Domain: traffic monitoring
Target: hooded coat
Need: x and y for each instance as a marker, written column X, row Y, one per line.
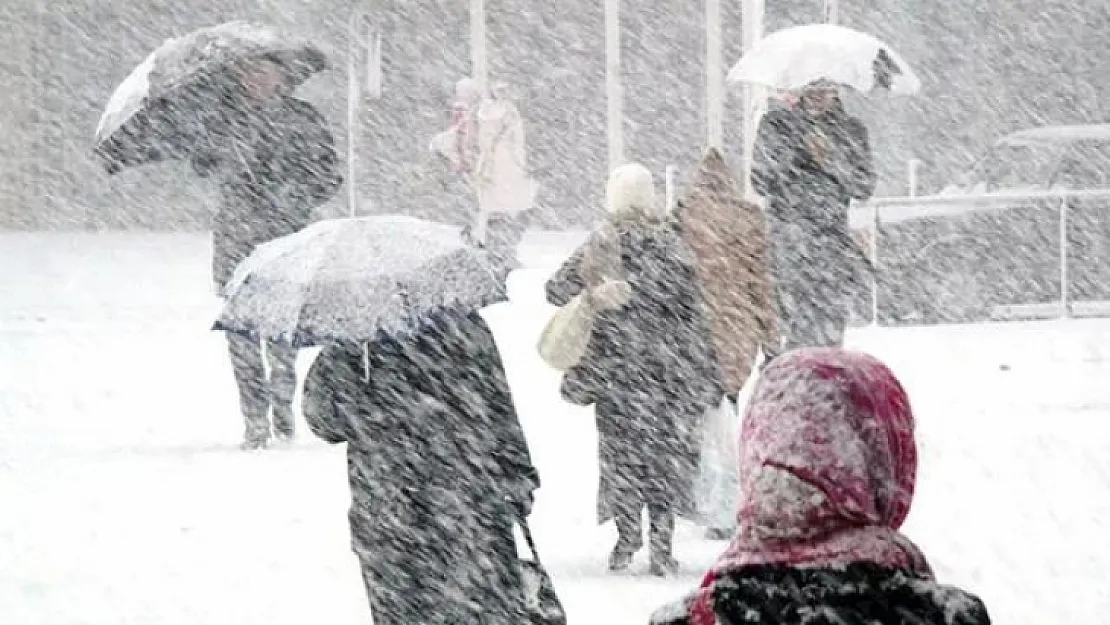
column 809, row 168
column 728, row 238
column 438, row 466
column 828, row 468
column 649, row 368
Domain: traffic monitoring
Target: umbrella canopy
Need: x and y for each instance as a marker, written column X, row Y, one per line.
column 358, row 279
column 159, row 110
column 792, row 58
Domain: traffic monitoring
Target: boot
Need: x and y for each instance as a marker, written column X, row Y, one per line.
column 663, row 565
column 255, row 440
column 661, row 539
column 630, row 532
column 283, row 423
column 621, row 557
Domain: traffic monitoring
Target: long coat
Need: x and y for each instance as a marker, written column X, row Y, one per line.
column 728, row 238
column 815, row 263
column 439, row 469
column 650, row 370
column 274, row 163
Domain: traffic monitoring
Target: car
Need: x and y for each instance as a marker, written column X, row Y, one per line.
column 1039, row 159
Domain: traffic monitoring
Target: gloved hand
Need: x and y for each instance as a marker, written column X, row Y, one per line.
column 522, row 504
column 520, row 498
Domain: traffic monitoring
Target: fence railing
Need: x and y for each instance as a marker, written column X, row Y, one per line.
column 885, row 211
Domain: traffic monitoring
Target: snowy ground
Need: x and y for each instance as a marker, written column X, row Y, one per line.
column 123, row 498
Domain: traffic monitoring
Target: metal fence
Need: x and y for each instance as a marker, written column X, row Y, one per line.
column 1001, row 256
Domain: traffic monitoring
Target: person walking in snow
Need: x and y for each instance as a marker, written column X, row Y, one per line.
column 727, row 235
column 485, row 144
column 828, row 466
column 439, row 470
column 811, row 160
column 274, row 161
column 648, row 368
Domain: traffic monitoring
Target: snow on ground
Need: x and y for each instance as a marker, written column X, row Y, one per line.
column 123, row 497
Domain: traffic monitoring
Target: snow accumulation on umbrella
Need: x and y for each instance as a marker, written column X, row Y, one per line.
column 127, row 99
column 180, row 57
column 794, row 57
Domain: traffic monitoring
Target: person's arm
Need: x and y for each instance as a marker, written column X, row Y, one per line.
column 773, row 154
column 330, row 395
column 315, row 161
column 568, row 281
column 856, row 169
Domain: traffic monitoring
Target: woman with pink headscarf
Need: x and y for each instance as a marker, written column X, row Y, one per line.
column 828, row 463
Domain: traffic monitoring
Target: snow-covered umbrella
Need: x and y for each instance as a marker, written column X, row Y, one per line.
column 359, row 279
column 161, row 108
column 794, row 57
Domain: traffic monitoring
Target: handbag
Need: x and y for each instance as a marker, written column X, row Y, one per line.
column 566, row 336
column 541, row 604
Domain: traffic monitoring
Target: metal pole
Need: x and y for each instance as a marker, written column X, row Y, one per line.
column 912, row 166
column 373, row 62
column 874, row 265
column 669, row 178
column 478, row 61
column 714, row 75
column 832, row 11
column 755, row 98
column 1064, row 312
column 613, row 91
column 352, row 114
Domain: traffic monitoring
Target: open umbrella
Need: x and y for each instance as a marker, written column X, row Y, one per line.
column 792, row 58
column 160, row 110
column 358, row 279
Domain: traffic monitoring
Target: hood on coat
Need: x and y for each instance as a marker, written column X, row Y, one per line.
column 828, row 463
column 631, row 192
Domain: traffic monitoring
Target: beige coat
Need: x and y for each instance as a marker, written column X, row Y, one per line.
column 728, row 237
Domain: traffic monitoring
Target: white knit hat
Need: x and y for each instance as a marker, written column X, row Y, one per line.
column 631, row 190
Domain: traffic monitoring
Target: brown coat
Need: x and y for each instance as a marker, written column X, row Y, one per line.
column 728, row 237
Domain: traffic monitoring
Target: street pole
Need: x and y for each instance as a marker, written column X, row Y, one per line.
column 352, row 113
column 755, row 97
column 714, row 76
column 613, row 92
column 478, row 60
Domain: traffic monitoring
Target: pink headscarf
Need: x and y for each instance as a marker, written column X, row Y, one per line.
column 828, row 464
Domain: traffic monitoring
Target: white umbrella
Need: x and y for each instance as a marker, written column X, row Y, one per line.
column 795, row 57
column 154, row 113
column 358, row 279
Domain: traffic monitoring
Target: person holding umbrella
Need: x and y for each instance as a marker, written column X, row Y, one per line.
column 274, row 161
column 221, row 99
column 811, row 160
column 411, row 380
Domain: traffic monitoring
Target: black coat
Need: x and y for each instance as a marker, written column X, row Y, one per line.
column 650, row 369
column 815, row 263
column 438, row 468
column 274, row 164
column 858, row 594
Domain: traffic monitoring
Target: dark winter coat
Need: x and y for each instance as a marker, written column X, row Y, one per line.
column 814, row 260
column 649, row 368
column 858, row 594
column 274, row 164
column 438, row 467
